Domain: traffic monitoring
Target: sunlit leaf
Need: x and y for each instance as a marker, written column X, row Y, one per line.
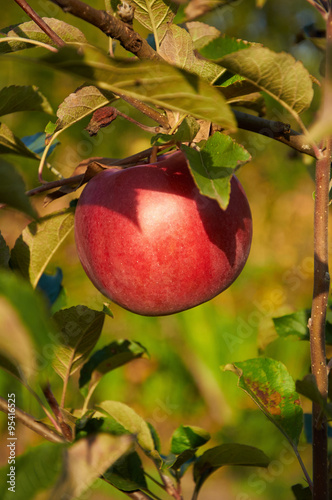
column 278, row 74
column 131, row 421
column 23, row 98
column 197, row 8
column 188, row 437
column 201, row 33
column 35, row 471
column 127, row 474
column 227, row 454
column 84, row 101
column 43, row 240
column 157, row 83
column 10, row 144
column 214, row 164
column 115, row 354
column 177, row 48
column 269, row 384
column 155, row 15
column 80, row 329
column 94, row 421
column 30, row 30
column 86, row 460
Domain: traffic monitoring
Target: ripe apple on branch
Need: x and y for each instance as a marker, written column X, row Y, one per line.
column 153, row 244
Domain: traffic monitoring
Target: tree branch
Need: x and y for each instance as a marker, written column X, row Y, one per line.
column 321, row 292
column 111, row 26
column 30, row 422
column 278, row 131
column 41, row 23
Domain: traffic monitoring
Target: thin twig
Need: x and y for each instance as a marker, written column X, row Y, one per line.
column 111, row 26
column 41, row 23
column 77, row 179
column 30, row 422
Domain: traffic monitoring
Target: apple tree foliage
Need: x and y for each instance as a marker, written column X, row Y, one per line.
column 191, row 80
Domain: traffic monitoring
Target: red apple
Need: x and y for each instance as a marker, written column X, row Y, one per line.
column 150, row 242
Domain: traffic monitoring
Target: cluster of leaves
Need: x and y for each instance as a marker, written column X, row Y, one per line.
column 202, row 76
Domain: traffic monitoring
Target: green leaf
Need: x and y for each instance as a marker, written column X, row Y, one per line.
column 88, row 425
column 293, row 324
column 186, row 456
column 201, row 33
column 115, row 354
column 127, row 474
column 188, row 437
column 131, row 421
column 23, row 98
column 177, row 48
column 269, row 384
column 43, row 240
column 278, row 74
column 35, row 471
column 86, row 460
column 155, row 437
column 31, row 31
column 308, row 388
column 20, row 258
column 23, row 313
column 10, row 144
column 4, row 253
column 297, row 324
column 213, row 166
column 227, row 454
column 81, row 103
column 186, row 132
column 80, row 329
column 301, row 492
column 222, row 46
column 156, row 83
column 155, row 15
column 12, row 190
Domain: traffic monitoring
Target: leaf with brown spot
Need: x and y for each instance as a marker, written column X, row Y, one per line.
column 271, row 387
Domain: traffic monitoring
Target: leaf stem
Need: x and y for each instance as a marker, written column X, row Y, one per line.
column 26, row 40
column 41, row 23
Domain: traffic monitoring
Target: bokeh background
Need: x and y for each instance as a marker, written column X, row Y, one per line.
column 182, row 381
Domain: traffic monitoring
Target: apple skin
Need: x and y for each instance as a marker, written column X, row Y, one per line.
column 150, row 242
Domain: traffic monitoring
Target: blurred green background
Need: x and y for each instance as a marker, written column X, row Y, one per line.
column 182, row 381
